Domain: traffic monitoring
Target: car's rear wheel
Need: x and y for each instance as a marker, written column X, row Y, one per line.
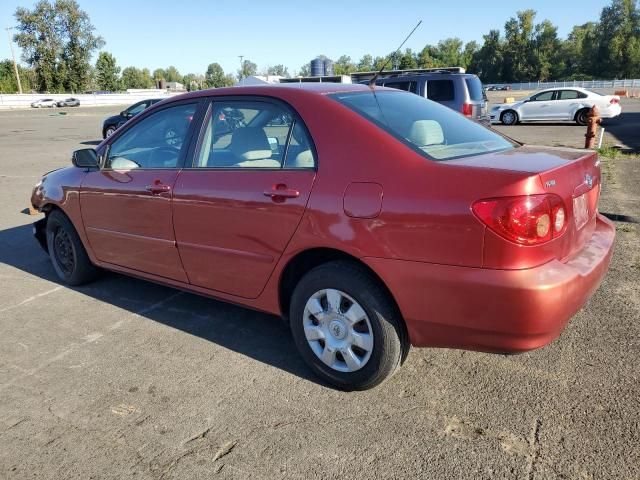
column 509, row 117
column 582, row 117
column 69, row 257
column 346, row 326
column 109, row 131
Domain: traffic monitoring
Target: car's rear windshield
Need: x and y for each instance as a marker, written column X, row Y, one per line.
column 474, row 85
column 433, row 130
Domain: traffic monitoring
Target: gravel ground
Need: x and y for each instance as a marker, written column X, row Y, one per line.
column 123, row 378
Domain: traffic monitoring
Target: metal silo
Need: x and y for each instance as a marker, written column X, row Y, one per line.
column 328, row 67
column 317, row 67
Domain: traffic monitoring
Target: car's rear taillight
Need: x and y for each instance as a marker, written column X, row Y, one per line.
column 614, row 100
column 526, row 219
column 467, row 109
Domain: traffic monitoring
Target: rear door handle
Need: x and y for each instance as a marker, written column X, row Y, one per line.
column 158, row 188
column 281, row 191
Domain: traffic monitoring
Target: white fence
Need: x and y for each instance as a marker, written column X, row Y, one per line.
column 590, row 84
column 86, row 100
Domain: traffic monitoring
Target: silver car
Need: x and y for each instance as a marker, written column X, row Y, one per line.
column 44, row 102
column 451, row 87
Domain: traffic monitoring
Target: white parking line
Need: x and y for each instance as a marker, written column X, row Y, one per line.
column 31, row 299
column 87, row 339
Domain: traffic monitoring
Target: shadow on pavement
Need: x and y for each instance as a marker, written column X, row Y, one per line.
column 626, row 129
column 260, row 336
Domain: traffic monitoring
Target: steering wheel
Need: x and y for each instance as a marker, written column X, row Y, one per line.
column 173, row 156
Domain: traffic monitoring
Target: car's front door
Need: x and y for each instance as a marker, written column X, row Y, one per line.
column 126, row 205
column 239, row 204
column 539, row 107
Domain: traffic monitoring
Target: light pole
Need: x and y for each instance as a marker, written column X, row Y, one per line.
column 13, row 55
column 241, row 66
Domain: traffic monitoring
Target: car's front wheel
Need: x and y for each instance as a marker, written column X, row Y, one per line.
column 109, row 131
column 68, row 256
column 346, row 326
column 509, row 117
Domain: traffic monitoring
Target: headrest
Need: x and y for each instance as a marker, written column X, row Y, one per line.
column 426, row 132
column 250, row 143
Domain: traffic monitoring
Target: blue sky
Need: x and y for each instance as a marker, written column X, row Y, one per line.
column 190, row 34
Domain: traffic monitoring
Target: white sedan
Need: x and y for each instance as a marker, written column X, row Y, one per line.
column 44, row 102
column 556, row 104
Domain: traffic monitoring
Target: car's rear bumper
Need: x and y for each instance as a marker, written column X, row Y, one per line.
column 496, row 310
column 612, row 111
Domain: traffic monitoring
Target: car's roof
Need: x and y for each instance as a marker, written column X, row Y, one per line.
column 323, row 88
column 580, row 89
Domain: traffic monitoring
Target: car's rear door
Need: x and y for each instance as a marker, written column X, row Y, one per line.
column 567, row 103
column 126, row 205
column 240, row 203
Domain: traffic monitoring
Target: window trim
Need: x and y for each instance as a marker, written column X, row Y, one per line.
column 147, row 112
column 208, row 112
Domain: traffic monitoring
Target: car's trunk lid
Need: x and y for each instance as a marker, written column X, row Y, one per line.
column 572, row 174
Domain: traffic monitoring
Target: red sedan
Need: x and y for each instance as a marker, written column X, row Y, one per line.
column 372, row 219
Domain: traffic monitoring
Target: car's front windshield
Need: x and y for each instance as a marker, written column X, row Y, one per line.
column 435, row 131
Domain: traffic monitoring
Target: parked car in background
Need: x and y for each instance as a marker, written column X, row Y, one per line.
column 372, row 219
column 69, row 102
column 461, row 92
column 557, row 104
column 44, row 102
column 111, row 124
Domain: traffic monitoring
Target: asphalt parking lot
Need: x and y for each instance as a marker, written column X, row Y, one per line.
column 123, row 378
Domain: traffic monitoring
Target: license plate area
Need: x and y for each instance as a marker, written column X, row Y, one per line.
column 580, row 210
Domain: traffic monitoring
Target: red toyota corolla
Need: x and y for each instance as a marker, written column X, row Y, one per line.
column 372, row 219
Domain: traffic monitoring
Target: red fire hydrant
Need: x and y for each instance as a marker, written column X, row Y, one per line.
column 593, row 120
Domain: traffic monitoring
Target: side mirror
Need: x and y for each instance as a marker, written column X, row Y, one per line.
column 85, row 158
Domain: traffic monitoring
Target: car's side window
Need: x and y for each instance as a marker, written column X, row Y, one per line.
column 543, row 97
column 440, row 90
column 154, row 142
column 406, row 86
column 299, row 151
column 569, row 95
column 252, row 134
column 136, row 109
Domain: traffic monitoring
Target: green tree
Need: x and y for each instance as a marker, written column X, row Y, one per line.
column 57, row 40
column 579, row 52
column 365, row 64
column 547, row 52
column 407, row 60
column 305, row 70
column 159, row 74
column 247, row 69
column 519, row 57
column 488, row 61
column 8, row 82
column 79, row 43
column 172, row 74
column 107, row 72
column 215, row 77
column 278, row 70
column 344, row 66
column 133, row 77
column 619, row 40
column 469, row 51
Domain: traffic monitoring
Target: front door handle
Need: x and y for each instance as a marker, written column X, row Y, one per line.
column 281, row 191
column 158, row 188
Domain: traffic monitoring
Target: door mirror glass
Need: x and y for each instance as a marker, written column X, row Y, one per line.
column 85, row 158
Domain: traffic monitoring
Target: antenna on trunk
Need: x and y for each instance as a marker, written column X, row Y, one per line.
column 372, row 82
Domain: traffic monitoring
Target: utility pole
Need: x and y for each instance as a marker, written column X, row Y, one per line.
column 241, row 65
column 13, row 55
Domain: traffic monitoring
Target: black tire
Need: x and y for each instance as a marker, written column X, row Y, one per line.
column 110, row 130
column 582, row 117
column 68, row 256
column 509, row 117
column 390, row 344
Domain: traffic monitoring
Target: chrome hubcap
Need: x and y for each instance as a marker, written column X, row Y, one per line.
column 509, row 117
column 338, row 330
